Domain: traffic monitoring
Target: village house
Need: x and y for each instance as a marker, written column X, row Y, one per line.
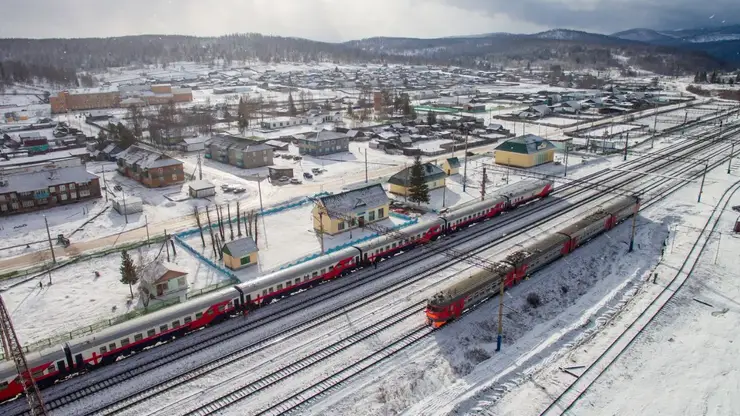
column 337, row 213
column 434, row 177
column 451, row 166
column 150, row 168
column 45, row 185
column 160, row 279
column 238, row 152
column 240, row 253
column 525, row 151
column 324, row 143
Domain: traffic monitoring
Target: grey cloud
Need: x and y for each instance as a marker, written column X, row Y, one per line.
column 608, row 16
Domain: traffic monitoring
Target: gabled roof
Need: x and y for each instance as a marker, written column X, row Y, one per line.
column 453, row 162
column 240, row 247
column 357, row 200
column 154, row 271
column 526, row 144
column 146, row 159
column 432, row 172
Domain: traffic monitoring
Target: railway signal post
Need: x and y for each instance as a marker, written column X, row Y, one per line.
column 634, row 224
column 500, row 336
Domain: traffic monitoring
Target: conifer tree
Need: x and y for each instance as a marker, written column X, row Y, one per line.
column 128, row 272
column 418, row 189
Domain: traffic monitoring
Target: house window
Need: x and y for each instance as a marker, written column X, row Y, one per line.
column 371, row 216
column 181, row 281
column 4, row 207
column 71, row 186
column 340, row 226
column 27, row 204
column 245, row 260
column 381, row 212
column 52, row 189
column 73, row 195
column 62, row 187
column 84, row 193
column 174, row 177
column 14, row 205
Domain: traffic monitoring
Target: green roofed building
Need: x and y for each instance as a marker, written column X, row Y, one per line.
column 525, row 151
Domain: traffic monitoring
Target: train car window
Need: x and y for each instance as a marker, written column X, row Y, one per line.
column 188, row 320
column 221, row 308
column 176, row 324
column 393, row 245
column 271, row 290
column 150, row 333
column 264, row 292
column 138, row 337
column 37, row 374
column 231, row 304
column 288, row 284
column 163, row 328
column 298, row 280
column 279, row 287
column 112, row 346
column 323, row 271
column 331, row 268
column 314, row 274
column 125, row 342
column 103, row 350
column 305, row 278
column 3, row 384
column 198, row 315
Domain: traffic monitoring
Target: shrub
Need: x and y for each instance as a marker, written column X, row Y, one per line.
column 534, row 300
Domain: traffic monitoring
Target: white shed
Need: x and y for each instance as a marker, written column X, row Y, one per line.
column 193, row 144
column 201, row 189
column 129, row 205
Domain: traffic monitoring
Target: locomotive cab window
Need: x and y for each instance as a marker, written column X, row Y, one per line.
column 52, row 368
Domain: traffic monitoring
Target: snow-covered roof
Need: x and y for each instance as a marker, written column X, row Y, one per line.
column 201, row 185
column 325, row 135
column 146, row 159
column 36, row 180
column 240, row 247
column 357, row 200
column 432, row 172
column 154, row 271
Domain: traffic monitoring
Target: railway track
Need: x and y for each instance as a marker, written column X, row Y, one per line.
column 115, row 379
column 327, row 384
column 333, row 381
column 576, row 390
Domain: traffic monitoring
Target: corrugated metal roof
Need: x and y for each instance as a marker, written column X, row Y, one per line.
column 240, row 247
column 43, row 179
column 527, row 144
column 146, row 159
column 431, row 173
column 358, row 200
column 201, row 185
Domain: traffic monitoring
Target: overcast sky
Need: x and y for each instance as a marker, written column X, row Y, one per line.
column 340, row 20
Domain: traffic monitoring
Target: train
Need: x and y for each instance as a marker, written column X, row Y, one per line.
column 462, row 295
column 53, row 364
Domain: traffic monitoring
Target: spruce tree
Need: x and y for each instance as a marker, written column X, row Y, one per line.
column 431, row 118
column 418, row 189
column 128, row 272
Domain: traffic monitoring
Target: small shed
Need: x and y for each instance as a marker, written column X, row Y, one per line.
column 451, row 166
column 201, row 189
column 240, row 253
column 193, row 144
column 277, row 144
column 276, row 173
column 129, row 205
column 160, row 279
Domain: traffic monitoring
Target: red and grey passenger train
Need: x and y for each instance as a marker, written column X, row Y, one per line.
column 56, row 363
column 459, row 297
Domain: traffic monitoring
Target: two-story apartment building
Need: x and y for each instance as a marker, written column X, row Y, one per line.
column 150, row 168
column 45, row 185
column 239, row 152
column 324, row 143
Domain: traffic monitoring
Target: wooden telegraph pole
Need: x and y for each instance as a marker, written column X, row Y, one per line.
column 500, row 336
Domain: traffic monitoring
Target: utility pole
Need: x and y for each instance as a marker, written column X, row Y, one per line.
column 483, row 185
column 655, row 131
column 729, row 164
column 465, row 168
column 51, row 246
column 104, row 185
column 444, row 194
column 508, row 169
column 146, row 223
column 166, row 247
column 321, row 229
column 500, row 336
column 566, row 159
column 200, row 168
column 634, row 224
column 259, row 189
column 626, row 141
column 701, row 190
column 125, row 211
column 365, row 165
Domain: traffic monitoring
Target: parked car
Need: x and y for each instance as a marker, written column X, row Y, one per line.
column 239, row 190
column 307, row 175
column 284, row 179
column 226, row 188
column 295, row 181
column 316, row 171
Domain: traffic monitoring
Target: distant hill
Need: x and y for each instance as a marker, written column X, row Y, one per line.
column 663, row 52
